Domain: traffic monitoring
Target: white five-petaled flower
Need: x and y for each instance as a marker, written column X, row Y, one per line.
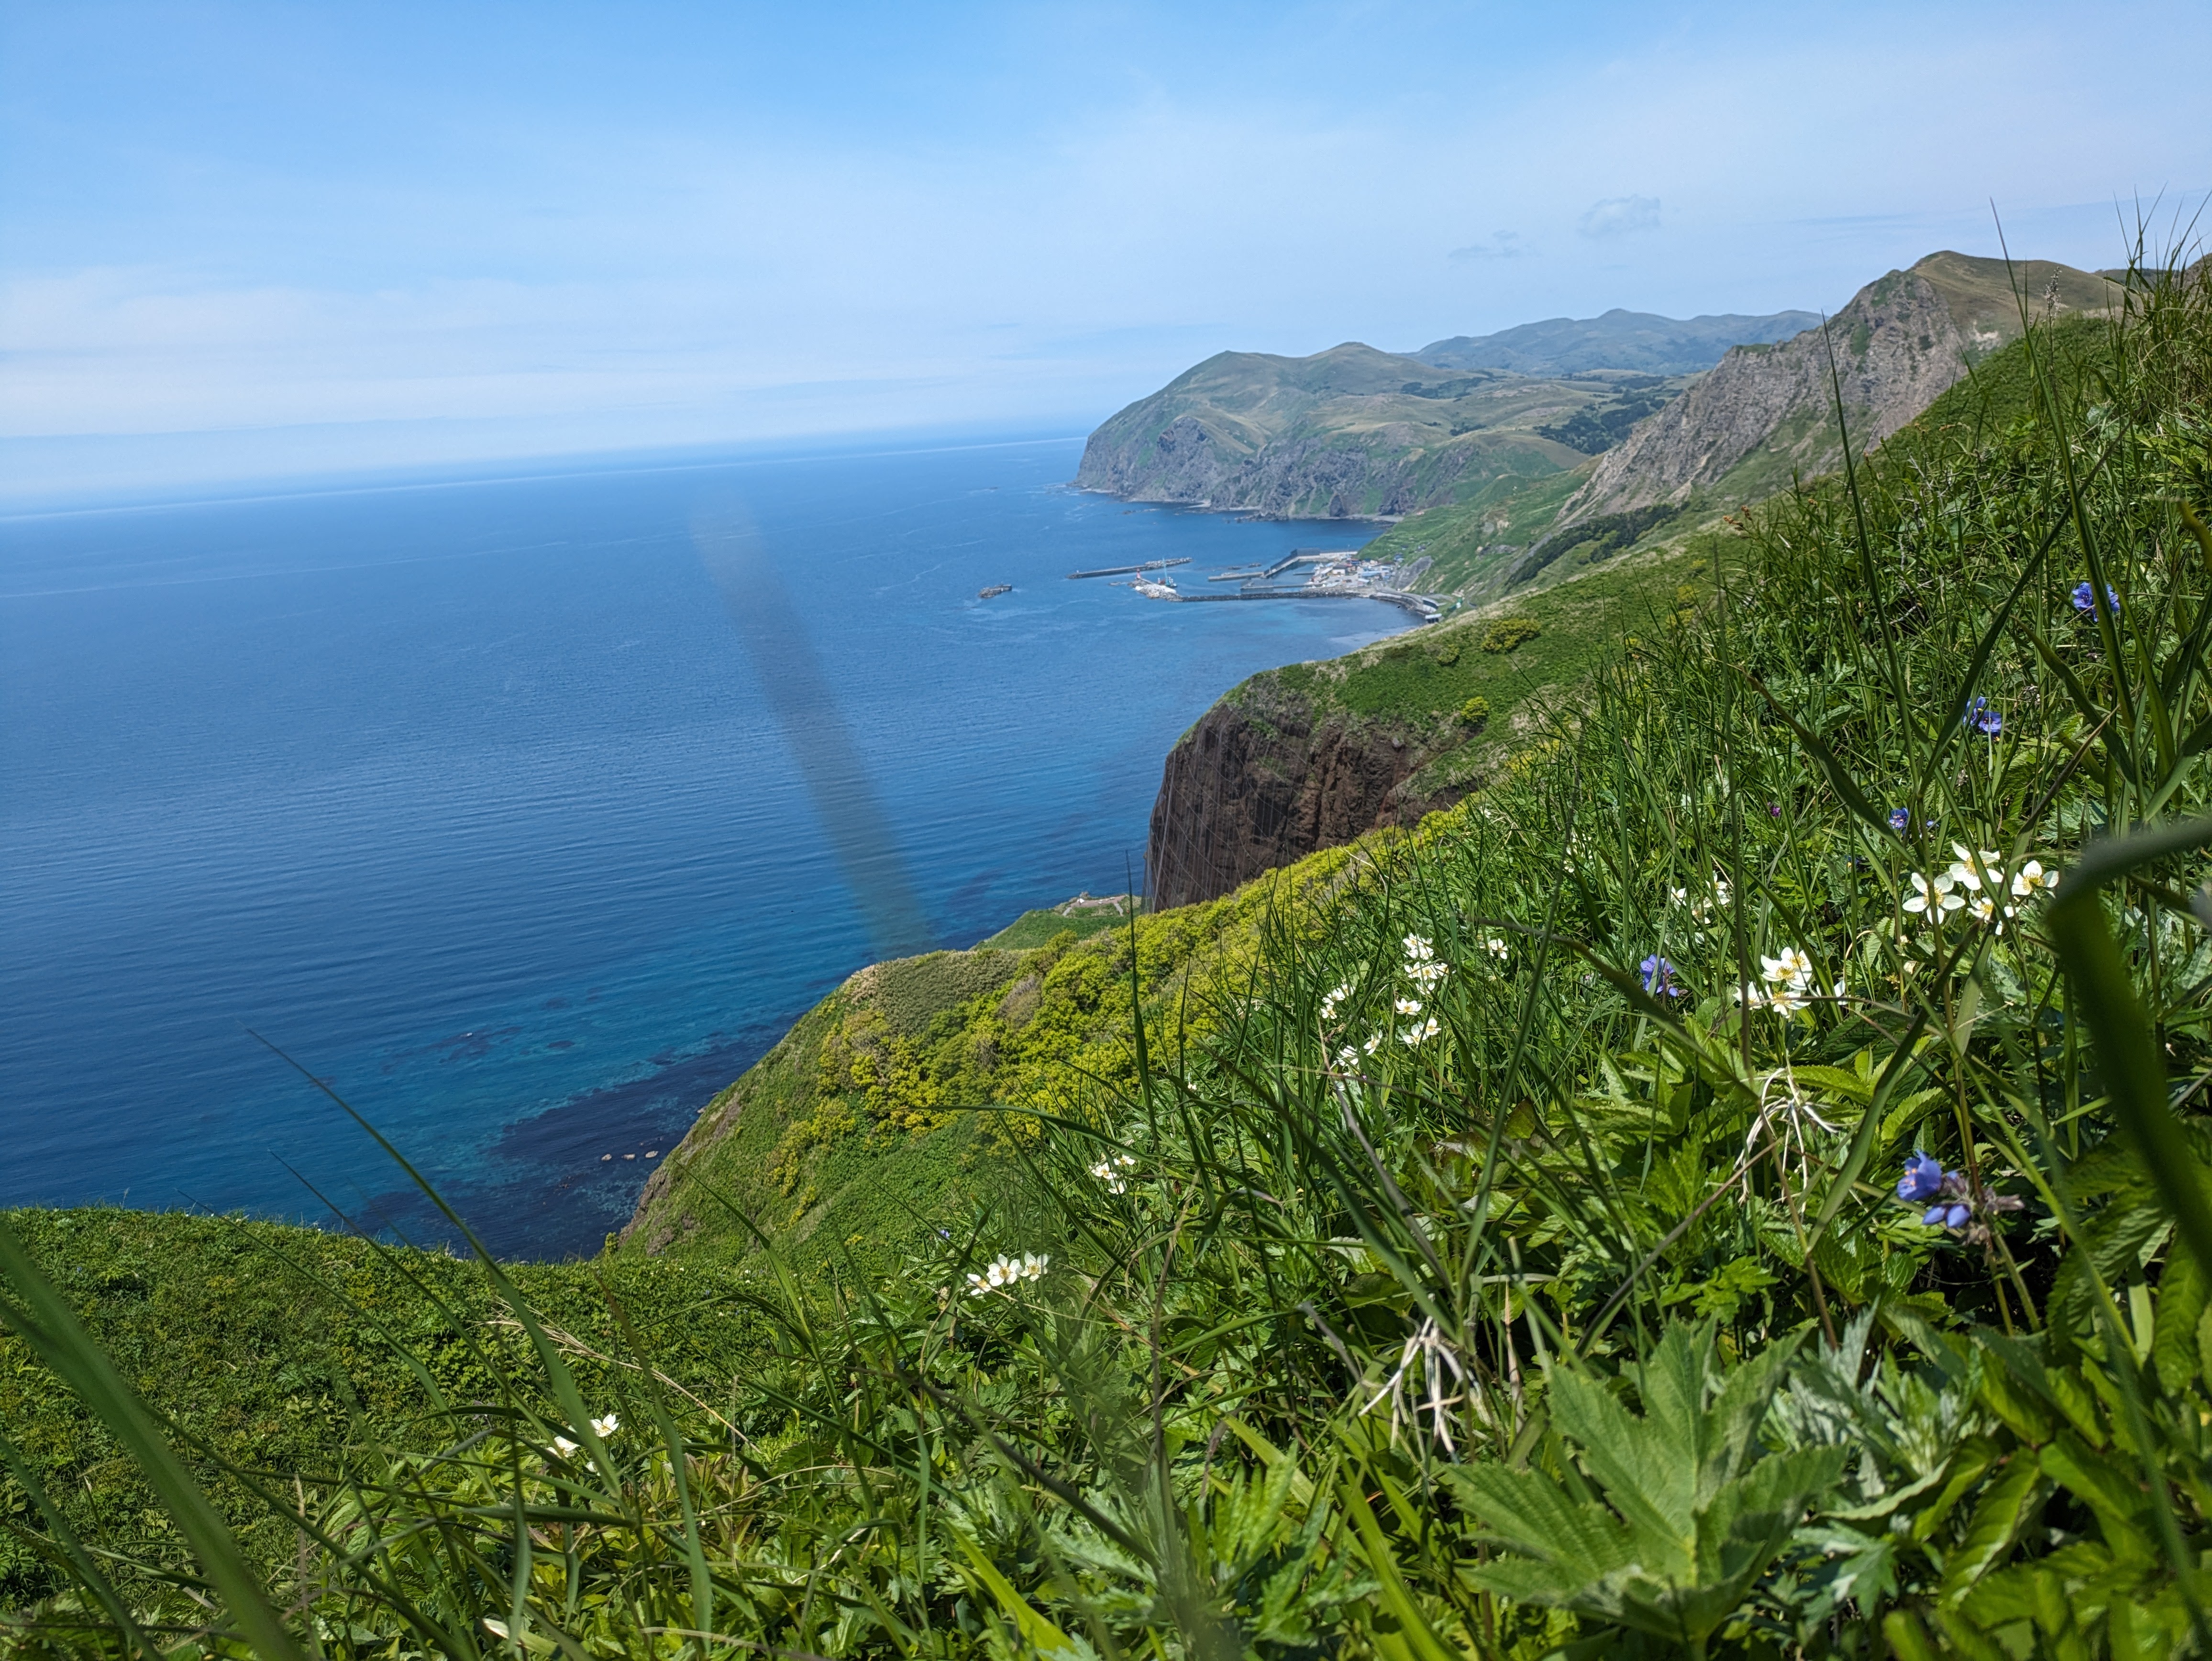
column 1374, row 1042
column 1495, row 947
column 1792, row 968
column 1407, row 1006
column 1427, row 974
column 2032, row 878
column 605, row 1428
column 1330, row 1000
column 1006, row 1271
column 1985, row 911
column 1935, row 896
column 563, row 1447
column 1973, row 868
column 1114, row 1171
column 1419, row 948
column 1421, row 1034
column 1348, row 1057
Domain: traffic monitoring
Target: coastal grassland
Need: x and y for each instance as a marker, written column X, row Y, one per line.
column 1715, row 1192
column 1521, row 658
column 282, row 1353
column 1473, row 542
column 903, row 1103
column 1036, row 928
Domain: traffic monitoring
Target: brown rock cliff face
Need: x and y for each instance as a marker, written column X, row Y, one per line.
column 1903, row 340
column 1257, row 784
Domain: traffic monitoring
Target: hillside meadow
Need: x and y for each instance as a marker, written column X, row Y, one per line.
column 1732, row 1185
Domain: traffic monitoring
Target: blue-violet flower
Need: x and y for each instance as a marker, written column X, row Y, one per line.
column 2085, row 599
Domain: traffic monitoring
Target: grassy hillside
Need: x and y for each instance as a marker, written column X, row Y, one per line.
column 902, row 1104
column 287, row 1351
column 1639, row 341
column 1718, row 1192
column 1351, row 431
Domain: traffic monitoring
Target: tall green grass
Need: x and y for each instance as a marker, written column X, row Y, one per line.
column 1508, row 1256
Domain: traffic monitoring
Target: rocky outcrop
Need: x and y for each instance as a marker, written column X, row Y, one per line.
column 1263, row 780
column 1765, row 413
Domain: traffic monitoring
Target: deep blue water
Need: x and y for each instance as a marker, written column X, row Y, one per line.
column 527, row 812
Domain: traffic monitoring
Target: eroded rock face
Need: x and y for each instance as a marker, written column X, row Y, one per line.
column 1903, row 340
column 1260, row 782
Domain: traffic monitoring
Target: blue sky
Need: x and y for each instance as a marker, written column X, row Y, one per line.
column 246, row 239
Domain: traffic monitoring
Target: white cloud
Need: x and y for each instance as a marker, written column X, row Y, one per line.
column 1501, row 245
column 1617, row 215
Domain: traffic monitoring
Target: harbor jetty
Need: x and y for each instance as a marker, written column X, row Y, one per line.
column 1330, row 574
column 1127, row 570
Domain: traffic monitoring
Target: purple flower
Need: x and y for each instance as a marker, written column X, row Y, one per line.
column 1922, row 1180
column 2085, row 599
column 1983, row 719
column 1898, row 818
column 1951, row 1216
column 1659, row 977
column 1774, row 810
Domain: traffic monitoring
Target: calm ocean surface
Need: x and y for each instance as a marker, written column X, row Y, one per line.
column 528, row 812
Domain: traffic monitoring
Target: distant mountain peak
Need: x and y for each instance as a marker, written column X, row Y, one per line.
column 1619, row 339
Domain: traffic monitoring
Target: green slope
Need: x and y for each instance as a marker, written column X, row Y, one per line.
column 1353, row 431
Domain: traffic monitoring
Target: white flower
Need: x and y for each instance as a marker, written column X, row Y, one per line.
column 1679, row 896
column 1417, row 949
column 1348, row 1057
column 1973, row 868
column 1331, row 1000
column 1004, row 1271
column 1374, row 1042
column 1985, row 911
column 1792, row 969
column 1421, row 1034
column 605, row 1428
column 1934, row 897
column 563, row 1447
column 1784, row 1001
column 1427, row 974
column 1407, row 1006
column 1720, row 891
column 2031, row 878
column 1495, row 947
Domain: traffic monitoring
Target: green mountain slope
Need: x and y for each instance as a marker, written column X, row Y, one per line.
column 1350, row 431
column 1640, row 341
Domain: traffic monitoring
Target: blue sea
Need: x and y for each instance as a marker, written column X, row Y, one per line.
column 526, row 811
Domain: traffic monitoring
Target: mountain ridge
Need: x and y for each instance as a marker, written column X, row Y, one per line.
column 1644, row 342
column 1767, row 414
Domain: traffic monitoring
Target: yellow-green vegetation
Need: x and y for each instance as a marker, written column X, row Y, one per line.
column 842, row 1144
column 1034, row 928
column 1736, row 1186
